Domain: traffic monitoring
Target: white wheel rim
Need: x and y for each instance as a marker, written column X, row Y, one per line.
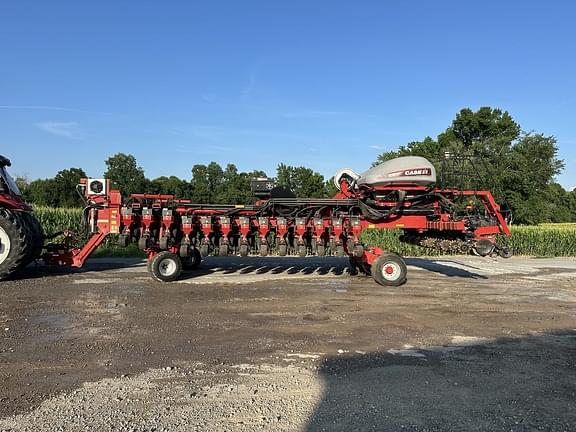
column 391, row 271
column 167, row 267
column 4, row 245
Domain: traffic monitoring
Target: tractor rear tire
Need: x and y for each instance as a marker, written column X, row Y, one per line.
column 37, row 233
column 14, row 243
column 389, row 270
column 166, row 266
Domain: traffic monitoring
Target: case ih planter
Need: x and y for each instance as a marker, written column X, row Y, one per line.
column 399, row 194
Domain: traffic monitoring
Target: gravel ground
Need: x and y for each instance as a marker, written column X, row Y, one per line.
column 285, row 344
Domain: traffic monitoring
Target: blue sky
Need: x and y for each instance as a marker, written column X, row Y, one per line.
column 325, row 84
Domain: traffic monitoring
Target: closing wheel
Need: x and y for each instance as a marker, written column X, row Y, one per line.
column 389, row 270
column 143, row 243
column 122, row 240
column 244, row 250
column 223, row 250
column 321, row 250
column 340, row 251
column 263, row 250
column 366, row 269
column 505, row 252
column 163, row 242
column 302, row 251
column 193, row 260
column 184, row 251
column 166, row 266
column 483, row 247
column 282, row 249
column 204, row 250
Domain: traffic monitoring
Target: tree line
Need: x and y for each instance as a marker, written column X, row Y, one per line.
column 208, row 184
column 482, row 150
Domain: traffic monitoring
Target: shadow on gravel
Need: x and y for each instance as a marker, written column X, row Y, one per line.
column 245, row 265
column 274, row 265
column 519, row 384
column 37, row 270
column 441, row 267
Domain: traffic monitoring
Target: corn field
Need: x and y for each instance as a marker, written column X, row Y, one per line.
column 546, row 240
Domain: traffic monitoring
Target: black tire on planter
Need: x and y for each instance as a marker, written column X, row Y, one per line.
column 193, row 260
column 366, row 269
column 14, row 243
column 166, row 266
column 389, row 270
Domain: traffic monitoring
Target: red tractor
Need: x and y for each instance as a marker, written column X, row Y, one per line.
column 21, row 236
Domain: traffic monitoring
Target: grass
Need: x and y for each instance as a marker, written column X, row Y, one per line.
column 545, row 240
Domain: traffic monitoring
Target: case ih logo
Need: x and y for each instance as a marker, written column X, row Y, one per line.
column 412, row 172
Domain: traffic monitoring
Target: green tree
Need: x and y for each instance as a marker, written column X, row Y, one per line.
column 304, row 182
column 170, row 186
column 212, row 184
column 65, row 184
column 516, row 167
column 57, row 192
column 41, row 192
column 125, row 174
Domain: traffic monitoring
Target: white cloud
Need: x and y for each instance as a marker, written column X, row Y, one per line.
column 65, row 129
column 377, row 147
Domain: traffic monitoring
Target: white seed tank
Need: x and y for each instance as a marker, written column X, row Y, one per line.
column 406, row 169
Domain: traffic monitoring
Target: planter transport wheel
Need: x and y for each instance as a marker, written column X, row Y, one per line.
column 166, row 266
column 389, row 270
